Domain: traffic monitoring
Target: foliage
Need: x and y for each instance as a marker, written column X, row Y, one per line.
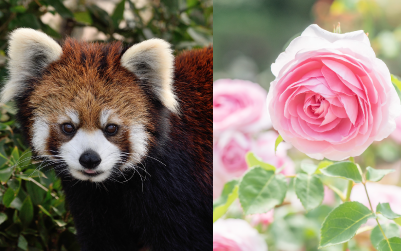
column 33, row 212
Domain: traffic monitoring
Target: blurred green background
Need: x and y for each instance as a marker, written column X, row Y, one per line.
column 248, row 37
column 33, row 212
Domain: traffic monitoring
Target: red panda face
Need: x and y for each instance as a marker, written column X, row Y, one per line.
column 91, row 107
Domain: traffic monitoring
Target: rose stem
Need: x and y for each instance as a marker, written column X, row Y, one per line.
column 371, row 208
column 349, row 189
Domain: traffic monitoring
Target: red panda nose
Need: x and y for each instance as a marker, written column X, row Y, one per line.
column 90, row 159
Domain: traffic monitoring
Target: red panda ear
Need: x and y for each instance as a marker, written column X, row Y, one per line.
column 152, row 60
column 30, row 53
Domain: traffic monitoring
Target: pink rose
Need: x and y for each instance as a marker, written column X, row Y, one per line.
column 236, row 235
column 264, row 219
column 332, row 97
column 229, row 159
column 378, row 193
column 229, row 152
column 239, row 105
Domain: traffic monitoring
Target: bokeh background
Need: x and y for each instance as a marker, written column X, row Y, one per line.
column 33, row 212
column 248, row 37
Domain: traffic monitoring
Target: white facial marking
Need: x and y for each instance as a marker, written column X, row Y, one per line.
column 104, row 116
column 40, row 134
column 138, row 139
column 74, row 116
column 71, row 116
column 96, row 141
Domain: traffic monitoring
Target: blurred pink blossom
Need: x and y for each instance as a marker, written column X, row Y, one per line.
column 378, row 193
column 236, row 235
column 239, row 105
column 329, row 197
column 262, row 219
column 229, row 156
column 263, row 147
column 229, row 159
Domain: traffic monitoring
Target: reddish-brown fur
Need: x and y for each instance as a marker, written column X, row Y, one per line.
column 74, row 82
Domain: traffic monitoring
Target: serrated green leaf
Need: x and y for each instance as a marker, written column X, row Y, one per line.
column 309, row 168
column 390, row 230
column 376, row 174
column 118, row 13
column 253, row 161
column 345, row 169
column 26, row 213
column 8, row 197
column 278, row 141
column 22, row 243
column 343, row 222
column 229, row 194
column 310, row 190
column 385, row 210
column 393, row 244
column 260, row 190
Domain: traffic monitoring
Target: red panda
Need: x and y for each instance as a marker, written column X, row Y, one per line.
column 129, row 131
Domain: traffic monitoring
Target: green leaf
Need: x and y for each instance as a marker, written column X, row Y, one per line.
column 37, row 194
column 324, row 164
column 15, row 155
column 25, row 159
column 309, row 190
column 254, row 161
column 22, row 243
column 5, row 174
column 8, row 197
column 376, row 174
column 18, row 9
column 345, row 169
column 60, row 8
column 278, row 141
column 390, row 230
column 393, row 244
column 3, row 217
column 60, row 223
column 260, row 190
column 45, row 211
column 83, row 17
column 26, row 213
column 229, row 194
column 386, row 211
column 118, row 13
column 309, row 168
column 343, row 222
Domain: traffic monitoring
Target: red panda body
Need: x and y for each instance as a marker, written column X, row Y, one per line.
column 132, row 141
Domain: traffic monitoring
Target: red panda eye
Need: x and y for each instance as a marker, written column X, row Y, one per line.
column 111, row 129
column 68, row 128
